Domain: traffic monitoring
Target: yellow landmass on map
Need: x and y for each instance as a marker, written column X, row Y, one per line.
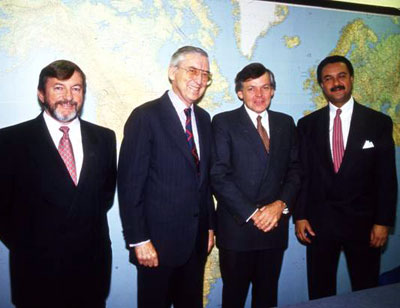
column 291, row 41
column 212, row 274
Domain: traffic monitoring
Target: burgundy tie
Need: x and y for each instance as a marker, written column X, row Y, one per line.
column 189, row 137
column 337, row 141
column 67, row 154
column 263, row 134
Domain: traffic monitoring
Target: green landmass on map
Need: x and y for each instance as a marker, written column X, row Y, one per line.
column 376, row 70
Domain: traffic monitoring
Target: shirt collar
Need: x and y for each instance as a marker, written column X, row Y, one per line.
column 53, row 124
column 178, row 104
column 253, row 115
column 346, row 108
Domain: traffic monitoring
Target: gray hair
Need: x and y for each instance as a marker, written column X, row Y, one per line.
column 180, row 54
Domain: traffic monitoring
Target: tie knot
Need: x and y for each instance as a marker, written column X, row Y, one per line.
column 338, row 111
column 64, row 129
column 188, row 112
column 259, row 119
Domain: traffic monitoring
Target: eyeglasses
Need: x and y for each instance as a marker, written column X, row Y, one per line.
column 193, row 72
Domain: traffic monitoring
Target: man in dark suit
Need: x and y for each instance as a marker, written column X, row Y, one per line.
column 165, row 199
column 256, row 177
column 57, row 182
column 348, row 200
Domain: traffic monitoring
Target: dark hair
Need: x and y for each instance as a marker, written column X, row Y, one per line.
column 333, row 59
column 62, row 70
column 253, row 71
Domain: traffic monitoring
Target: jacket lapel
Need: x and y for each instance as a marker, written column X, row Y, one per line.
column 173, row 128
column 89, row 155
column 324, row 145
column 204, row 141
column 275, row 132
column 355, row 139
column 55, row 179
column 251, row 135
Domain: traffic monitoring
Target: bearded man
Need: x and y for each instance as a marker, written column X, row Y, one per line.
column 57, row 182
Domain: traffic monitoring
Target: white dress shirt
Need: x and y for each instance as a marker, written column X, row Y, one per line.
column 75, row 136
column 345, row 117
column 180, row 110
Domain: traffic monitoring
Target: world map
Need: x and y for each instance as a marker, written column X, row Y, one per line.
column 124, row 47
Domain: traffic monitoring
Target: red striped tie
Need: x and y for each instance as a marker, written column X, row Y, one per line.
column 65, row 150
column 337, row 141
column 190, row 139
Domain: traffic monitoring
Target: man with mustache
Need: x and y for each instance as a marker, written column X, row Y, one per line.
column 256, row 177
column 57, row 182
column 164, row 192
column 348, row 198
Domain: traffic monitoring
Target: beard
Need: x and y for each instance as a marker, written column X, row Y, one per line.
column 56, row 114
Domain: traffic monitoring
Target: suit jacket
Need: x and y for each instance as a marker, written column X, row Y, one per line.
column 244, row 177
column 162, row 198
column 346, row 205
column 57, row 233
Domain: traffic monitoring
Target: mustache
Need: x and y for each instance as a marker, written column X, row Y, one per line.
column 65, row 101
column 337, row 88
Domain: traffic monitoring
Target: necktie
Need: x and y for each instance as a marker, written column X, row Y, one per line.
column 263, row 134
column 189, row 137
column 337, row 141
column 67, row 154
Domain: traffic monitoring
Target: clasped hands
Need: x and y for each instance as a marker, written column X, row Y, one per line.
column 267, row 217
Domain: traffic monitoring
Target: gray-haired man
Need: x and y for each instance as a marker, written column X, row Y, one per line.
column 165, row 200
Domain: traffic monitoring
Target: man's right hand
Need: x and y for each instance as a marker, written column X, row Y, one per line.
column 303, row 228
column 146, row 255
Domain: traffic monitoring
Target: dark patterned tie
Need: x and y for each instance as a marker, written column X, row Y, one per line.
column 67, row 154
column 337, row 141
column 263, row 134
column 190, row 139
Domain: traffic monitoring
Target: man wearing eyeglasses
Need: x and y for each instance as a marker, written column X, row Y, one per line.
column 256, row 177
column 166, row 207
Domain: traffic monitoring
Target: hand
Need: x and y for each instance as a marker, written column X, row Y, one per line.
column 210, row 240
column 267, row 217
column 379, row 235
column 146, row 255
column 303, row 228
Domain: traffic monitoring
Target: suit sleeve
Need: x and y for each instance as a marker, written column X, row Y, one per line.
column 212, row 219
column 292, row 181
column 134, row 162
column 111, row 175
column 223, row 183
column 300, row 211
column 385, row 175
column 6, row 189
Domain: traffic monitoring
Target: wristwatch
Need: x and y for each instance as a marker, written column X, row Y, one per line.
column 285, row 210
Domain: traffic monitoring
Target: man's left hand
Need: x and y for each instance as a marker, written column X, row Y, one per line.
column 269, row 216
column 379, row 235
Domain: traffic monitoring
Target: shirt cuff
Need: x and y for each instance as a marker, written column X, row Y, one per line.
column 247, row 220
column 138, row 244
